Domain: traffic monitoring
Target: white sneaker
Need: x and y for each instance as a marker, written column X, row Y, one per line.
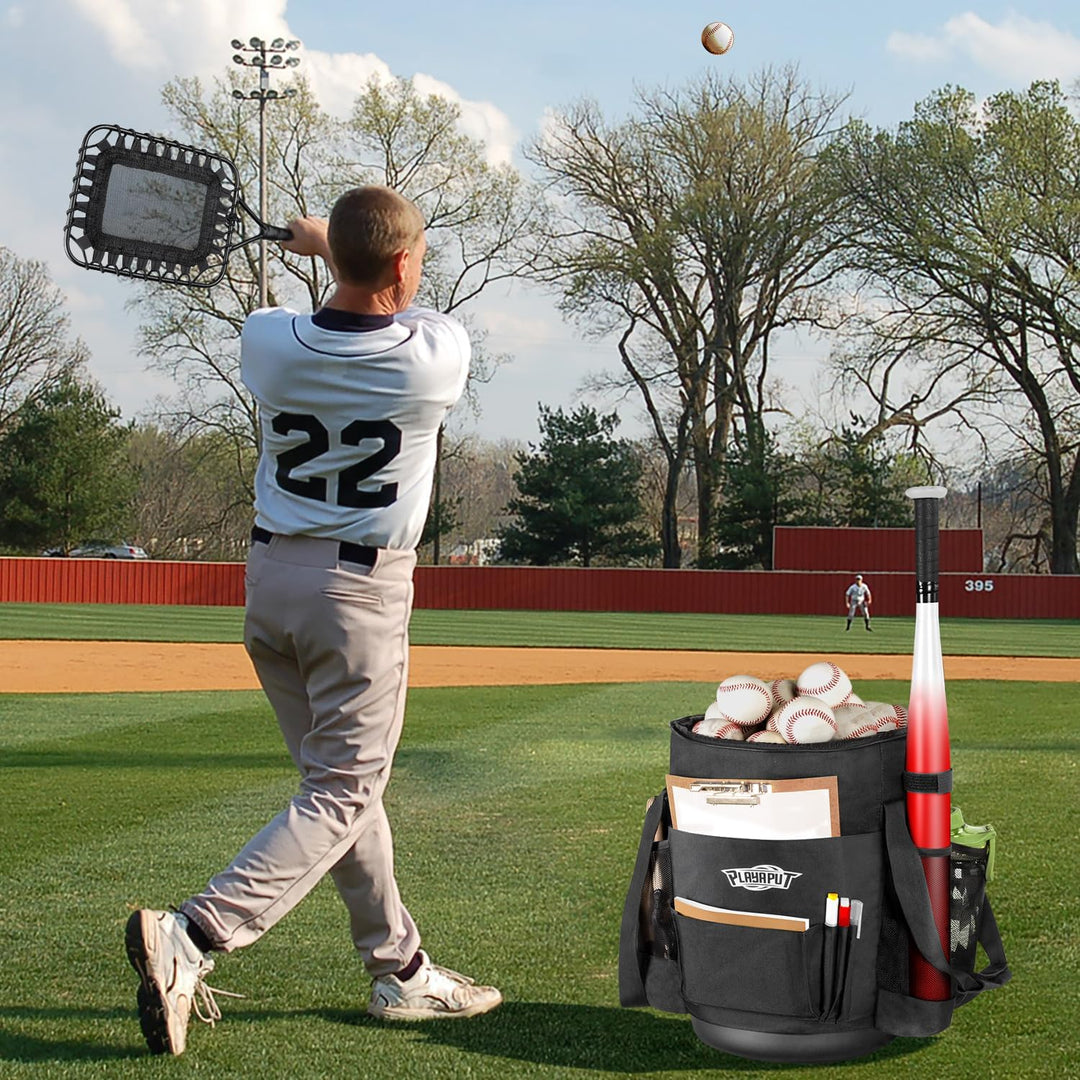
column 431, row 993
column 171, row 970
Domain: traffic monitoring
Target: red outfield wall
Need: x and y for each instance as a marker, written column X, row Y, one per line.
column 106, row 581
column 859, row 551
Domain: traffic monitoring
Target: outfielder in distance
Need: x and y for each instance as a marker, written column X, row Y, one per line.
column 350, row 401
column 858, row 600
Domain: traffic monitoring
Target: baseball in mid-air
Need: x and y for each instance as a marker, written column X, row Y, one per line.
column 717, row 38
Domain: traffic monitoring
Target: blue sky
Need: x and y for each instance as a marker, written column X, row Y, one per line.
column 70, row 64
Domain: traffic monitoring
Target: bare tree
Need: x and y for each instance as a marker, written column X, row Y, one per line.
column 966, row 219
column 695, row 230
column 36, row 348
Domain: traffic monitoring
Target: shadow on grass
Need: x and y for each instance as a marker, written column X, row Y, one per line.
column 562, row 1036
column 20, row 1046
column 596, row 1037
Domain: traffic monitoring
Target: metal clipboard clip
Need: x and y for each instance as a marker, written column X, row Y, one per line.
column 732, row 793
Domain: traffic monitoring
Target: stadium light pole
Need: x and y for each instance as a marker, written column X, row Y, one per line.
column 266, row 57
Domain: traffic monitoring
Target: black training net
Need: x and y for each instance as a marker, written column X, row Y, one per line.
column 147, row 207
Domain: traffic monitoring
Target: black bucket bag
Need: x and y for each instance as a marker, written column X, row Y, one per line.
column 776, row 995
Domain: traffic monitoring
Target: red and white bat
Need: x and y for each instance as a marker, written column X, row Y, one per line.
column 929, row 812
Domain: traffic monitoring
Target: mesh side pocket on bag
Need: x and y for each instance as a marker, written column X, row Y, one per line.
column 894, row 945
column 657, row 897
column 966, row 895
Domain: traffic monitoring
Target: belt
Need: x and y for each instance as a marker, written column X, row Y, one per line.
column 357, row 553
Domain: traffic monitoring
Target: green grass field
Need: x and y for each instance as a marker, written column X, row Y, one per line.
column 628, row 630
column 516, row 815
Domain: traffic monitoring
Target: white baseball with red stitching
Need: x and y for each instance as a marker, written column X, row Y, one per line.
column 882, row 710
column 806, row 720
column 826, row 681
column 850, row 717
column 783, row 691
column 719, row 728
column 746, row 699
column 766, row 736
column 863, row 730
column 714, row 712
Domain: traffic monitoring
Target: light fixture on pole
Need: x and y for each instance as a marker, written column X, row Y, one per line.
column 265, row 57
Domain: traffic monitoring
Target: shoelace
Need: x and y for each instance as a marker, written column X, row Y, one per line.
column 453, row 976
column 204, row 999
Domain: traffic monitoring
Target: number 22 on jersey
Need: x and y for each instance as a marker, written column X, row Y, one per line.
column 349, row 479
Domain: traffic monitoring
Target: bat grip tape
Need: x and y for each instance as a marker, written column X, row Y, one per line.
column 935, row 783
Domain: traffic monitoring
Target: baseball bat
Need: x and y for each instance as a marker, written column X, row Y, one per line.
column 929, row 811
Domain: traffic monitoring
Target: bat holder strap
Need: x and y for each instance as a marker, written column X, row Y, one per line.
column 939, row 783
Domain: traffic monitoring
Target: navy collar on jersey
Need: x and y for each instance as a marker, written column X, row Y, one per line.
column 328, row 318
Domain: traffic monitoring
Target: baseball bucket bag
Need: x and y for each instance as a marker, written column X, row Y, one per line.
column 776, row 995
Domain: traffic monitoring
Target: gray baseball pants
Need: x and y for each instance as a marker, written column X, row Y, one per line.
column 329, row 642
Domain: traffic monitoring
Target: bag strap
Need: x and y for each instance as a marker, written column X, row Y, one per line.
column 910, row 882
column 631, row 966
column 996, row 972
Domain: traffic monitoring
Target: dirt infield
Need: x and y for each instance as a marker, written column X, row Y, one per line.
column 86, row 667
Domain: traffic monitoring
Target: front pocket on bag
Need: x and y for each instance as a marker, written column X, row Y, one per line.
column 749, row 969
column 786, row 877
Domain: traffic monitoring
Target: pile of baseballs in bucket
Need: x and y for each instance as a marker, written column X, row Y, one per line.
column 819, row 706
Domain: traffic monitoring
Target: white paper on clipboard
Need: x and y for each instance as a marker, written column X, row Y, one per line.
column 803, row 809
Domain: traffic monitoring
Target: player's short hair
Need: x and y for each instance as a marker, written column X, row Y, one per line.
column 368, row 227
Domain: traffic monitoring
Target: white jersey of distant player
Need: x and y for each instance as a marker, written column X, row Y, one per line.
column 858, row 597
column 349, row 422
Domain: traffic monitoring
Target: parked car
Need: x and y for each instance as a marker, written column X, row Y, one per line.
column 104, row 549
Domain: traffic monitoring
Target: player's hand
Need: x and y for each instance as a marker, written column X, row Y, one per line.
column 308, row 237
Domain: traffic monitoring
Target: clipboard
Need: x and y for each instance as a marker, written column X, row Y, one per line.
column 804, row 809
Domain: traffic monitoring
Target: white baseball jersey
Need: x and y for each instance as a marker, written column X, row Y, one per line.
column 350, row 407
column 858, row 595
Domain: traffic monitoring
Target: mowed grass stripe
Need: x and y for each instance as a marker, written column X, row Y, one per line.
column 630, row 630
column 516, row 815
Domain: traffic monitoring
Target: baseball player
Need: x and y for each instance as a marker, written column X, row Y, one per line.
column 858, row 599
column 350, row 402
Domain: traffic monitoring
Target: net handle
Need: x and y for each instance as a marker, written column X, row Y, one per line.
column 266, row 232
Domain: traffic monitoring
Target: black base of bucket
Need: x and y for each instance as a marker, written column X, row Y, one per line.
column 794, row 1049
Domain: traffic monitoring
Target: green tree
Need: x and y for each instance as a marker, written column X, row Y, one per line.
column 966, row 223
column 855, row 478
column 578, row 495
column 63, row 470
column 760, row 492
column 695, row 230
column 189, row 502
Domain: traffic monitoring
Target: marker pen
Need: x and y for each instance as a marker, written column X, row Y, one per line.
column 832, row 906
column 844, row 914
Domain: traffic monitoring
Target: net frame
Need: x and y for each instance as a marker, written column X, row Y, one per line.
column 88, row 245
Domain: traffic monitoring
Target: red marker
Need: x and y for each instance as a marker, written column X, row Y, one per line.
column 844, row 918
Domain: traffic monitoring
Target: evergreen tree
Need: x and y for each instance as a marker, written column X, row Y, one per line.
column 578, row 496
column 64, row 476
column 868, row 482
column 759, row 494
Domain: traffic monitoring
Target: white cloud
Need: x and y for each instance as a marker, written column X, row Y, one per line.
column 336, row 78
column 480, row 119
column 1016, row 48
column 14, row 17
column 191, row 37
